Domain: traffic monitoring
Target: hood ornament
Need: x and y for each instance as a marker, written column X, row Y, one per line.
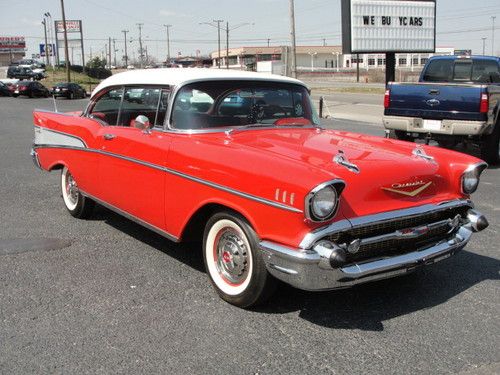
column 342, row 160
column 419, row 152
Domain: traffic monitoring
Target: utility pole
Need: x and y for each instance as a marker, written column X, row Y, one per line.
column 140, row 42
column 484, row 45
column 268, row 41
column 44, row 23
column 227, row 45
column 125, row 40
column 493, row 35
column 292, row 38
column 324, row 42
column 66, row 52
column 218, row 39
column 168, row 42
column 114, row 52
column 109, row 52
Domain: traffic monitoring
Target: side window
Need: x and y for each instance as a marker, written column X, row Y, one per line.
column 107, row 107
column 139, row 101
column 485, row 71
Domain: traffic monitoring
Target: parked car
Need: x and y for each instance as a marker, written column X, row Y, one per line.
column 455, row 100
column 20, row 72
column 31, row 89
column 68, row 90
column 268, row 192
column 4, row 90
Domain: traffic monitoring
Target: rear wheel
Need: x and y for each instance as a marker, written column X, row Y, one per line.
column 78, row 206
column 233, row 263
column 490, row 151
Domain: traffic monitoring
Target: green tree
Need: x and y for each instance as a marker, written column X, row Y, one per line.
column 96, row 63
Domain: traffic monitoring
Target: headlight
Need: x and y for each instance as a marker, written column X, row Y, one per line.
column 470, row 178
column 322, row 202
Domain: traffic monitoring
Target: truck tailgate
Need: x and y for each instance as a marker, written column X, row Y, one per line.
column 436, row 101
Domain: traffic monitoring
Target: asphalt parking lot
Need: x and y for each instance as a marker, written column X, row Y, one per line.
column 108, row 296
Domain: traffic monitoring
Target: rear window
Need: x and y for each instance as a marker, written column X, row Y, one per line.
column 481, row 71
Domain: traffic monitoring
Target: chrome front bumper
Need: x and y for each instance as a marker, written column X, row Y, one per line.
column 448, row 127
column 309, row 269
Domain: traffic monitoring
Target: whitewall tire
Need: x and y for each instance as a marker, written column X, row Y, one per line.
column 77, row 205
column 233, row 262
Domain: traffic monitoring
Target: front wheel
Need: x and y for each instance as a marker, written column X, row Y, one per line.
column 233, row 263
column 78, row 206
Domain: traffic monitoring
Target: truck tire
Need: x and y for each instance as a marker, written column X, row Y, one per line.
column 400, row 135
column 490, row 152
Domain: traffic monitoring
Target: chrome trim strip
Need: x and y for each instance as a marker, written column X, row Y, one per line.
column 133, row 218
column 183, row 175
column 347, row 224
column 34, row 156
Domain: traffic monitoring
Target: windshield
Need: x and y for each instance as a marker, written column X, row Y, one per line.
column 239, row 103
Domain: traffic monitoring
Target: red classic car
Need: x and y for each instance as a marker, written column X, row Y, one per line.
column 240, row 162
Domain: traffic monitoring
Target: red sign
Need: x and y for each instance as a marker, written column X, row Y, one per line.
column 8, row 43
column 72, row 26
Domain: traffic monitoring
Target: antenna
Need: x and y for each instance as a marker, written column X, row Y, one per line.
column 55, row 104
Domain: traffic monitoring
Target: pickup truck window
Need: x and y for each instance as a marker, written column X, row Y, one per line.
column 473, row 70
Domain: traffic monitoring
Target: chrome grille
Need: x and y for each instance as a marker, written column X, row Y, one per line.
column 400, row 245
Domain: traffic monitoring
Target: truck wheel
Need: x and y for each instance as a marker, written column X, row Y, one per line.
column 78, row 206
column 233, row 261
column 490, row 152
column 401, row 135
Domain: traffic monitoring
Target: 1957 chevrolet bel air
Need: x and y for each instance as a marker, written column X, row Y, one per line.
column 240, row 161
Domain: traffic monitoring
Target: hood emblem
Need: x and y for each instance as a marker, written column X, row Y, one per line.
column 419, row 152
column 420, row 187
column 342, row 160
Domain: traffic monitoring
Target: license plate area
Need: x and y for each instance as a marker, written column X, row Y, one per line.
column 431, row 124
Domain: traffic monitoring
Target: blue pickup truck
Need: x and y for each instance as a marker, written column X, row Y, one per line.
column 456, row 100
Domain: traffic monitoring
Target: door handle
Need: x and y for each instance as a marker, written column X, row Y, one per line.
column 434, row 92
column 109, row 137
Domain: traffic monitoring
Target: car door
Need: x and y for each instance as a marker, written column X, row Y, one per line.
column 132, row 160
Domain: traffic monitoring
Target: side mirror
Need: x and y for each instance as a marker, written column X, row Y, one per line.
column 142, row 122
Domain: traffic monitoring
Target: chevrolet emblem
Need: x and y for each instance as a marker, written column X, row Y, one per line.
column 421, row 187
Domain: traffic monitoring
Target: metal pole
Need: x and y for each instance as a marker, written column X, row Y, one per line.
column 227, row 45
column 218, row 40
column 484, row 45
column 390, row 67
column 140, row 42
column 168, row 42
column 292, row 39
column 109, row 52
column 44, row 23
column 57, row 43
column 51, row 40
column 357, row 67
column 125, row 40
column 493, row 35
column 114, row 52
column 268, row 41
column 66, row 51
column 81, row 42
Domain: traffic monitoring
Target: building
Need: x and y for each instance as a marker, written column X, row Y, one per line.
column 318, row 58
column 12, row 48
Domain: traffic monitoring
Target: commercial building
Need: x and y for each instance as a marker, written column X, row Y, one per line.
column 318, row 58
column 12, row 48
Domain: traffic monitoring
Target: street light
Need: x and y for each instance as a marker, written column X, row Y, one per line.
column 312, row 54
column 227, row 38
column 218, row 35
column 484, row 45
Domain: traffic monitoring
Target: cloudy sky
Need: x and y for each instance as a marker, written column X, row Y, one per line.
column 460, row 23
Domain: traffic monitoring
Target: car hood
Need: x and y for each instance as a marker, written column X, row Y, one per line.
column 390, row 176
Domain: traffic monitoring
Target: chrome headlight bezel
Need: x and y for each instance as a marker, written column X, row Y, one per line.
column 473, row 172
column 337, row 185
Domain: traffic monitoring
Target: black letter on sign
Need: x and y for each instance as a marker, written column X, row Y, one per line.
column 386, row 20
column 366, row 20
column 372, row 19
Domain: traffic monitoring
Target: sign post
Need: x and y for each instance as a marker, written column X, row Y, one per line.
column 390, row 27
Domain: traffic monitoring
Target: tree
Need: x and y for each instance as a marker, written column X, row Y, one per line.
column 96, row 63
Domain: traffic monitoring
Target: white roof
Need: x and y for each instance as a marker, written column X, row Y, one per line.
column 179, row 77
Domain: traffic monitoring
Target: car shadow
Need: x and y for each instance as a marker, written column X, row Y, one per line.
column 364, row 307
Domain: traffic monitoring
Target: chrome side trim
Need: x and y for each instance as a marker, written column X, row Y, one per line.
column 36, row 161
column 131, row 217
column 182, row 175
column 347, row 224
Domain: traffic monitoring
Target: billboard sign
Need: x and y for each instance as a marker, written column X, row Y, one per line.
column 72, row 26
column 12, row 43
column 381, row 26
column 51, row 49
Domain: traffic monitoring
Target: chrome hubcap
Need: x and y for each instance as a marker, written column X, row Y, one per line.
column 71, row 189
column 231, row 257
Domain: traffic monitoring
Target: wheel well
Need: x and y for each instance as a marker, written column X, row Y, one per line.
column 56, row 167
column 196, row 224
